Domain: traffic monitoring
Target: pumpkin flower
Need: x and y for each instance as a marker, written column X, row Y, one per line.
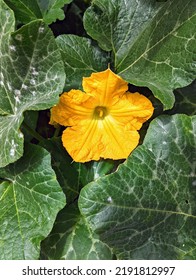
column 103, row 121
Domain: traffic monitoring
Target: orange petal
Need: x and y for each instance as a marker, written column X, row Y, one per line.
column 105, row 86
column 72, row 108
column 132, row 110
column 118, row 140
column 97, row 139
column 82, row 141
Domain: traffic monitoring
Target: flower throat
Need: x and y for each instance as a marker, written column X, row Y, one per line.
column 100, row 112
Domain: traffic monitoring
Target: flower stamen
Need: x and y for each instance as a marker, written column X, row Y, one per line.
column 100, row 112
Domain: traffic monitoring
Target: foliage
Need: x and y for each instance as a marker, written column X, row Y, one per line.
column 140, row 208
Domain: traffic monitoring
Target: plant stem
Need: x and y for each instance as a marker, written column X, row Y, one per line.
column 57, row 131
column 34, row 133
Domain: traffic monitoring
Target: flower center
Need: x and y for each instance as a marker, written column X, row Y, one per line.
column 100, row 112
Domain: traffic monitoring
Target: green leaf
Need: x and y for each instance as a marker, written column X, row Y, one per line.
column 72, row 176
column 152, row 47
column 51, row 9
column 62, row 163
column 146, row 209
column 30, row 118
column 114, row 23
column 28, row 10
column 25, row 10
column 185, row 100
column 31, row 78
column 72, row 239
column 30, row 199
column 93, row 170
column 81, row 58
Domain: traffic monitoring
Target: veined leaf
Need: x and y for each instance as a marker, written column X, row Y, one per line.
column 72, row 176
column 146, row 209
column 81, row 58
column 28, row 10
column 91, row 171
column 51, row 9
column 30, row 118
column 30, row 199
column 185, row 100
column 72, row 239
column 152, row 47
column 62, row 163
column 114, row 23
column 31, row 78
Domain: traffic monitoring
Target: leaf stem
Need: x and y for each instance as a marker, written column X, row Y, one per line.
column 34, row 133
column 57, row 131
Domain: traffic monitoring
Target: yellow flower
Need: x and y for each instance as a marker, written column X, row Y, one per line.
column 101, row 122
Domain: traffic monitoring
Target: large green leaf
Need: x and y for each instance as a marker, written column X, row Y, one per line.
column 62, row 163
column 81, row 58
column 72, row 176
column 114, row 23
column 30, row 118
column 31, row 78
column 147, row 209
column 152, row 47
column 72, row 239
column 185, row 100
column 91, row 171
column 28, row 10
column 30, row 199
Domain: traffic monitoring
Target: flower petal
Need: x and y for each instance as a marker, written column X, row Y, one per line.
column 83, row 141
column 97, row 139
column 132, row 110
column 72, row 108
column 119, row 141
column 105, row 86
